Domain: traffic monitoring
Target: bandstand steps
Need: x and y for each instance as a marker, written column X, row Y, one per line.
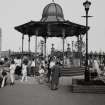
column 73, row 71
column 72, row 74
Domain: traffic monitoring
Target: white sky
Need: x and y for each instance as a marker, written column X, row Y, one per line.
column 17, row 12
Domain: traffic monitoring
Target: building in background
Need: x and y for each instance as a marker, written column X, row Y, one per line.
column 0, row 41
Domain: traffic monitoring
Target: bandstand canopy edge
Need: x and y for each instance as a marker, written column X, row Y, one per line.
column 52, row 29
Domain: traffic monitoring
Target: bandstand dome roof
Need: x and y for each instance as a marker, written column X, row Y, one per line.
column 52, row 24
column 52, row 12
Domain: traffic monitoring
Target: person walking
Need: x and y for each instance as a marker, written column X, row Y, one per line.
column 12, row 72
column 55, row 74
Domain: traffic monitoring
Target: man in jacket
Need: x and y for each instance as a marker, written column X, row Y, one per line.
column 55, row 74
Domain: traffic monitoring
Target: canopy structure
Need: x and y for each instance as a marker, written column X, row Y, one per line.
column 51, row 29
column 52, row 24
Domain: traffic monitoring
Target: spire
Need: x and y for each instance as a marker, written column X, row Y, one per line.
column 53, row 1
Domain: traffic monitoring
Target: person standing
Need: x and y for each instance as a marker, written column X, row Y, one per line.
column 18, row 67
column 29, row 67
column 51, row 63
column 12, row 72
column 55, row 74
column 33, row 68
column 41, row 74
column 96, row 66
column 46, row 71
column 24, row 72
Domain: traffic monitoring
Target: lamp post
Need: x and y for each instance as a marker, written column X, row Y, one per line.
column 87, row 4
column 42, row 43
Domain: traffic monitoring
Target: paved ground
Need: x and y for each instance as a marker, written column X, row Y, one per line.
column 32, row 93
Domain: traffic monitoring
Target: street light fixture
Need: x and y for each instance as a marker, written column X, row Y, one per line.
column 87, row 4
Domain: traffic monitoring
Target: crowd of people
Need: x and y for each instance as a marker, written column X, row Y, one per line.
column 46, row 71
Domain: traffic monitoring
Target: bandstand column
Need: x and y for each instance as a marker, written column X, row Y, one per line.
column 29, row 43
column 42, row 42
column 45, row 47
column 36, row 48
column 63, row 34
column 78, row 43
column 22, row 42
column 80, row 50
column 22, row 48
column 72, row 46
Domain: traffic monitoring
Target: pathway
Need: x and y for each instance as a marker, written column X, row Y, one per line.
column 32, row 93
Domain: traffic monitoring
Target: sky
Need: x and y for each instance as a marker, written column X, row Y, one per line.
column 17, row 12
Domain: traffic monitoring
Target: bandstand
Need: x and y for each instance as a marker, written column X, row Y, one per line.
column 52, row 24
